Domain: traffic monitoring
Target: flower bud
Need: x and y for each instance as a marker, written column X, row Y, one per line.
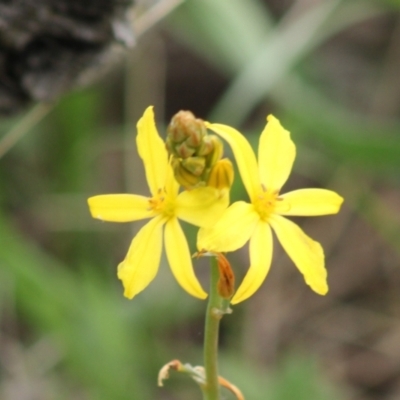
column 221, row 175
column 182, row 150
column 206, row 146
column 184, row 177
column 195, row 155
column 185, row 134
column 195, row 165
column 226, row 282
column 217, row 149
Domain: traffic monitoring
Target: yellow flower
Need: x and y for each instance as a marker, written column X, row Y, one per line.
column 164, row 206
column 243, row 221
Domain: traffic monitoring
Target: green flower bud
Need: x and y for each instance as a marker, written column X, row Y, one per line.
column 217, row 150
column 195, row 154
column 184, row 177
column 206, row 146
column 195, row 165
column 184, row 151
column 185, row 134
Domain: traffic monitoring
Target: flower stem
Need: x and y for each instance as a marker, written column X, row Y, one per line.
column 211, row 391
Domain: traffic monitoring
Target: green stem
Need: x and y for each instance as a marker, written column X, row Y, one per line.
column 213, row 316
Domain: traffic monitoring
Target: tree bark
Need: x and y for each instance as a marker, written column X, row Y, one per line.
column 48, row 47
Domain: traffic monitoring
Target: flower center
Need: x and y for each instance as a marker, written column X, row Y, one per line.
column 162, row 204
column 264, row 203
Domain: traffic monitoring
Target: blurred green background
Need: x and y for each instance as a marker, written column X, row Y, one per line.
column 330, row 71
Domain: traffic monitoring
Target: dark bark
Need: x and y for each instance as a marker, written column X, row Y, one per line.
column 48, row 47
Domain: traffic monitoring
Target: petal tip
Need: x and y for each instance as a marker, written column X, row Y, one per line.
column 237, row 299
column 128, row 295
column 319, row 286
column 322, row 291
column 149, row 110
column 202, row 296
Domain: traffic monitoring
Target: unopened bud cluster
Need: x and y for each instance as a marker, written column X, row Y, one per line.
column 196, row 155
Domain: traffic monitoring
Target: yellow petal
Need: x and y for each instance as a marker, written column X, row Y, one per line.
column 309, row 202
column 260, row 262
column 244, row 155
column 202, row 206
column 152, row 150
column 276, row 154
column 171, row 184
column 232, row 230
column 119, row 207
column 307, row 254
column 143, row 259
column 180, row 260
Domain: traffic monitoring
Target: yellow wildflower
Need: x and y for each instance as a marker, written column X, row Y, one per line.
column 164, row 206
column 243, row 221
